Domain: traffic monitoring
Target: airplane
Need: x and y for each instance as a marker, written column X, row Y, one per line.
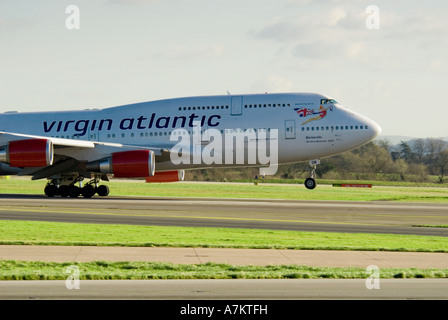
column 152, row 139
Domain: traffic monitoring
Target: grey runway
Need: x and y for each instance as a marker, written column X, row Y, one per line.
column 285, row 289
column 325, row 216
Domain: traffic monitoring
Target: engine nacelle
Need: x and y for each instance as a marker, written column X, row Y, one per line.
column 126, row 164
column 167, row 176
column 28, row 153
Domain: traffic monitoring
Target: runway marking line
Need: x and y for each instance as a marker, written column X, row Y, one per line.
column 199, row 217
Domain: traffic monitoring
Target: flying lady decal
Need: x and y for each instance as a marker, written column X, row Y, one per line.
column 305, row 112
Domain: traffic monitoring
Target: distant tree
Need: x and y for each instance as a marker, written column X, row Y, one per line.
column 401, row 168
column 377, row 159
column 406, row 152
column 323, row 168
column 442, row 164
column 419, row 149
column 434, row 147
column 385, row 144
column 419, row 172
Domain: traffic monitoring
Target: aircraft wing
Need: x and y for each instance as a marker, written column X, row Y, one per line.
column 43, row 157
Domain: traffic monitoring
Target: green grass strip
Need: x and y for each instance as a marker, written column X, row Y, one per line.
column 55, row 233
column 250, row 191
column 102, row 270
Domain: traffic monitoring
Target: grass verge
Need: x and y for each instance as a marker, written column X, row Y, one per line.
column 249, row 190
column 102, row 270
column 55, row 233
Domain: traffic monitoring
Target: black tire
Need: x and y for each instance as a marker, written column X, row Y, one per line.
column 103, row 191
column 64, row 191
column 88, row 191
column 73, row 192
column 51, row 190
column 310, row 183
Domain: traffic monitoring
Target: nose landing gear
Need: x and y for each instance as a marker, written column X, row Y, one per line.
column 310, row 183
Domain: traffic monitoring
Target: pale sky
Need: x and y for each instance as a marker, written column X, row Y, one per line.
column 129, row 51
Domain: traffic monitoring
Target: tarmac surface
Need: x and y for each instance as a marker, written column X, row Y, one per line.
column 325, row 216
column 228, row 292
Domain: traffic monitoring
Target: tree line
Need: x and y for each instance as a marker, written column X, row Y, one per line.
column 415, row 161
column 420, row 160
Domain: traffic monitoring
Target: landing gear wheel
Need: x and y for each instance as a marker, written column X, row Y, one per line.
column 102, row 191
column 73, row 192
column 51, row 190
column 310, row 183
column 88, row 191
column 64, row 191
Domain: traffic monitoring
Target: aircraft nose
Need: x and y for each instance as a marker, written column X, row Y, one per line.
column 374, row 129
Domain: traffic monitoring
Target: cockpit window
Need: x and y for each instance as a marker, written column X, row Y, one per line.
column 325, row 101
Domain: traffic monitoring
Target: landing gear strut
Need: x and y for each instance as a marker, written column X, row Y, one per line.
column 310, row 183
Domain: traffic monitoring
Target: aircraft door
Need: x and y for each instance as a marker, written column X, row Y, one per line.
column 290, row 129
column 237, row 106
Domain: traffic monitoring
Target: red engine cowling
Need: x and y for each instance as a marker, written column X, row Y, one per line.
column 126, row 164
column 133, row 164
column 28, row 153
column 167, row 176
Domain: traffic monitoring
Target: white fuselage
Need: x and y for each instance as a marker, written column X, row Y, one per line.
column 309, row 126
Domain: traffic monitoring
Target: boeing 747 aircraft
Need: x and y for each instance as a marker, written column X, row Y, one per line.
column 158, row 140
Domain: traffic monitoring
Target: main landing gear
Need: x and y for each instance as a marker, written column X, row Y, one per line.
column 310, row 183
column 60, row 188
